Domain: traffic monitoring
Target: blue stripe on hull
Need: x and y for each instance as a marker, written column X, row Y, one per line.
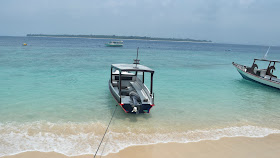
column 247, row 78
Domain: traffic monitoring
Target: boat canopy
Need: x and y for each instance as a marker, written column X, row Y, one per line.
column 132, row 67
column 276, row 61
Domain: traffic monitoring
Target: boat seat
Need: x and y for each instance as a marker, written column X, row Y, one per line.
column 126, row 90
column 140, row 91
column 115, row 83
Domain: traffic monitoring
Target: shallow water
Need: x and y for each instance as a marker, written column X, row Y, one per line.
column 54, row 94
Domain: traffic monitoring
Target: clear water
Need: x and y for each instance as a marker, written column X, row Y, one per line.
column 54, row 94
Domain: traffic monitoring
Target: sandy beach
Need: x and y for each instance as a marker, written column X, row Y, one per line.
column 241, row 147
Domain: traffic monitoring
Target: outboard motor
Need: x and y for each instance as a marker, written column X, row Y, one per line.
column 135, row 102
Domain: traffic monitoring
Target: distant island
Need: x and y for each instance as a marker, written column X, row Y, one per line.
column 121, row 37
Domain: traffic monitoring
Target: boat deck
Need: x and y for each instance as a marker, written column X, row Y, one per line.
column 135, row 87
column 140, row 91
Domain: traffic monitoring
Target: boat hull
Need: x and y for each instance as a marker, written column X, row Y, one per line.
column 114, row 45
column 127, row 108
column 251, row 77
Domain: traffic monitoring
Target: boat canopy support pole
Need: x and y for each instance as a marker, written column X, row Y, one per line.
column 253, row 63
column 268, row 65
column 120, row 85
column 152, row 74
column 272, row 70
column 143, row 76
column 268, row 68
column 111, row 74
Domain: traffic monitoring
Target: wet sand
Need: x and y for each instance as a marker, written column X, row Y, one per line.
column 241, row 147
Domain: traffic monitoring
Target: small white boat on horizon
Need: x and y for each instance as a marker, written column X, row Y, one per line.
column 262, row 76
column 114, row 44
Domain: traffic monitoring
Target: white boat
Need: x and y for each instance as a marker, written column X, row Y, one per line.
column 128, row 89
column 263, row 76
column 114, row 44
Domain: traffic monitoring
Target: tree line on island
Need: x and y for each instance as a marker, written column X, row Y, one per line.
column 120, row 37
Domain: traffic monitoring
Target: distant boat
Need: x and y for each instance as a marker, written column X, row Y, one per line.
column 127, row 87
column 263, row 76
column 114, row 44
column 24, row 44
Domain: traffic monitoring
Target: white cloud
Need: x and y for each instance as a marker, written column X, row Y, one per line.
column 246, row 3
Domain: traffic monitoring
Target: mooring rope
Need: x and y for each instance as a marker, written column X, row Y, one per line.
column 104, row 147
column 105, row 132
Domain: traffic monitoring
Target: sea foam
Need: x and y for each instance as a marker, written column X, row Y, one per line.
column 74, row 139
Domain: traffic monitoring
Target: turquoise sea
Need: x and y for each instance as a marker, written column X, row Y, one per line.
column 54, row 95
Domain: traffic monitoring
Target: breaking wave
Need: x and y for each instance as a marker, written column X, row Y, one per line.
column 73, row 139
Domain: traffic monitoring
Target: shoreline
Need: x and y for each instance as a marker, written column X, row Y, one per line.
column 267, row 146
column 65, row 139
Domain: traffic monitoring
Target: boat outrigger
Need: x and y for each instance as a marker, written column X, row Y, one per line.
column 263, row 76
column 127, row 87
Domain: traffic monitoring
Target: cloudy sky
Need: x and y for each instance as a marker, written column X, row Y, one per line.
column 225, row 21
